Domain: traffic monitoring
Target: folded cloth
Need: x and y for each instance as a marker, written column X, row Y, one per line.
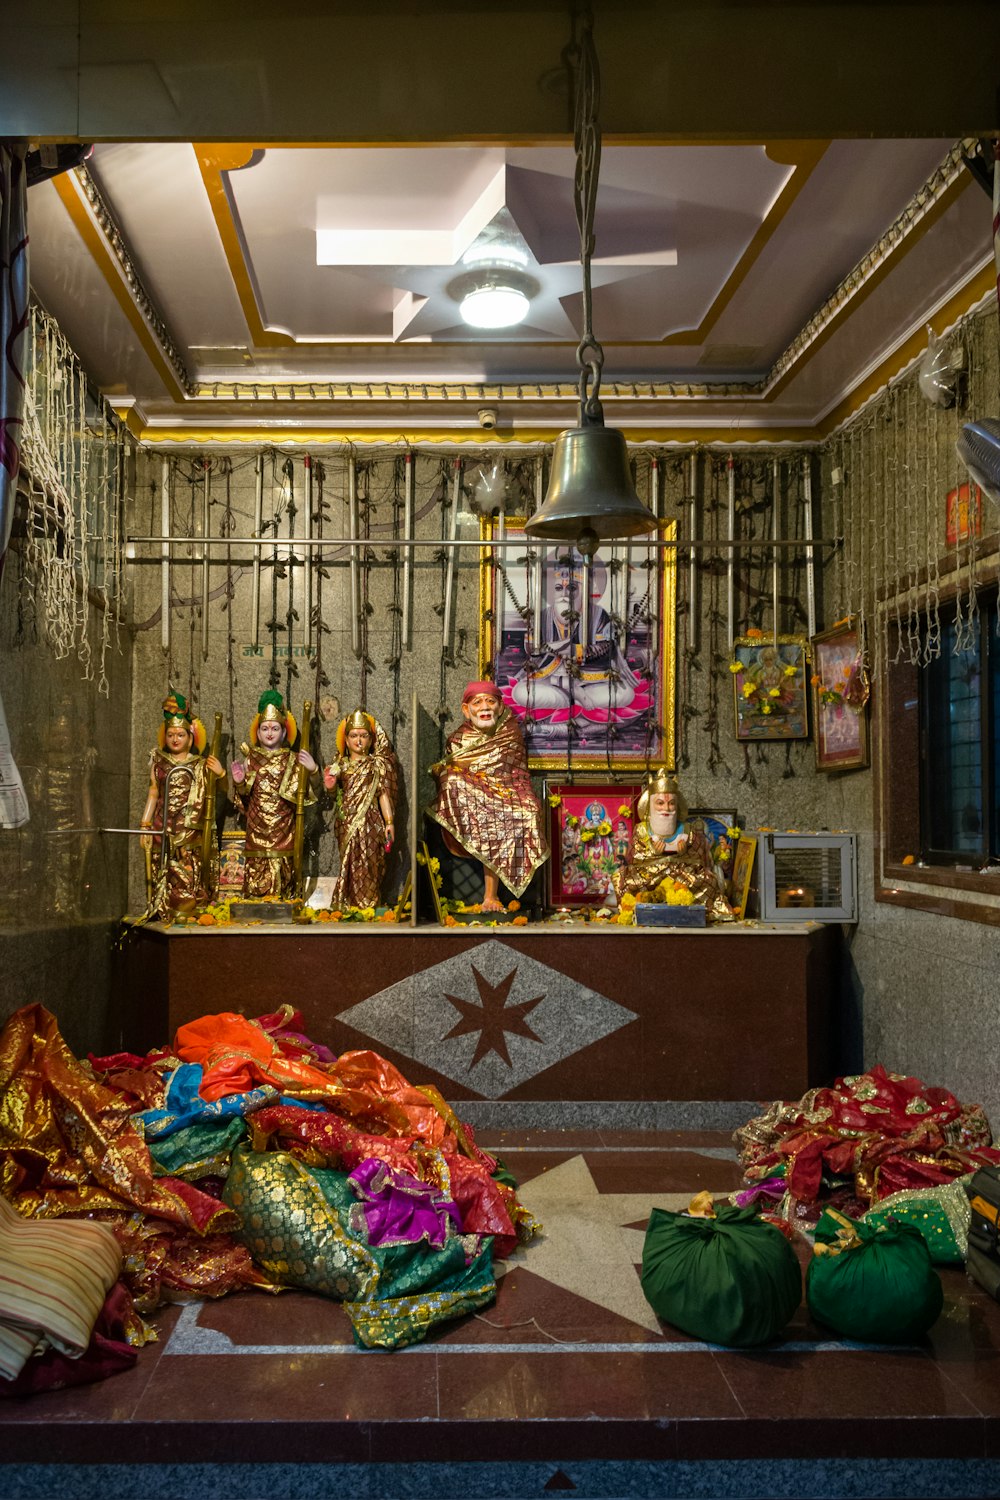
column 942, row 1214
column 109, row 1352
column 54, row 1278
column 396, row 1208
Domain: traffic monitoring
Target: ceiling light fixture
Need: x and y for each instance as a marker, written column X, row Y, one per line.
column 494, row 304
column 591, row 495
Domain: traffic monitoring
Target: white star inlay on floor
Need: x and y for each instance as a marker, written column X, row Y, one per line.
column 585, row 1246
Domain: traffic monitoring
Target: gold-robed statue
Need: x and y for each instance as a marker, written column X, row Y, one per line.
column 664, row 848
column 365, row 778
column 485, row 802
column 183, row 781
column 266, row 791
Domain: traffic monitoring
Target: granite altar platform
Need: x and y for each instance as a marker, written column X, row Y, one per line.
column 552, row 1026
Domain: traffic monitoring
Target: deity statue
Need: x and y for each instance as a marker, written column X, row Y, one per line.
column 365, row 777
column 266, row 792
column 485, row 803
column 180, row 776
column 663, row 847
column 597, row 677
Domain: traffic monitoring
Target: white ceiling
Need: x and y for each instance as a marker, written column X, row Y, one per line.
column 311, row 291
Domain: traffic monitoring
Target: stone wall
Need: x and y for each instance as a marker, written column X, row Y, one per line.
column 61, row 892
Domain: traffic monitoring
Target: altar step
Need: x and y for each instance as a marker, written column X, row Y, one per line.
column 567, row 1384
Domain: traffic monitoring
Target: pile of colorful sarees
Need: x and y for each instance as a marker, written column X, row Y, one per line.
column 248, row 1156
column 851, row 1146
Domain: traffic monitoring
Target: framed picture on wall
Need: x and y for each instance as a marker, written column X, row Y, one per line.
column 718, row 828
column 746, row 848
column 840, row 698
column 771, row 691
column 963, row 513
column 594, row 694
column 590, row 836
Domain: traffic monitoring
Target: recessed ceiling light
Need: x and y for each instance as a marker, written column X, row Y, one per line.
column 494, row 306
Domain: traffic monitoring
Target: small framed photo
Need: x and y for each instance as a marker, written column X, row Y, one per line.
column 746, row 848
column 590, row 835
column 840, row 697
column 963, row 513
column 769, row 681
column 720, row 833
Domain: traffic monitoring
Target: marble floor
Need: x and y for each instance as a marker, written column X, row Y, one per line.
column 568, row 1383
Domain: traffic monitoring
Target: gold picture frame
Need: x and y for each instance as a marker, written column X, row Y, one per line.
column 620, row 715
column 746, row 848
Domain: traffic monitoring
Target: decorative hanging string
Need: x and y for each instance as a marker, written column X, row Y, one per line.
column 395, row 657
column 320, row 629
column 227, row 526
column 73, row 462
column 291, row 613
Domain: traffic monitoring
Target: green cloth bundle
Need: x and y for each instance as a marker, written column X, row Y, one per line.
column 874, row 1283
column 733, row 1279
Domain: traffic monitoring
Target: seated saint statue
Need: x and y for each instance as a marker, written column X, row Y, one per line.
column 265, row 789
column 662, row 847
column 179, row 772
column 365, row 777
column 485, row 802
column 563, row 672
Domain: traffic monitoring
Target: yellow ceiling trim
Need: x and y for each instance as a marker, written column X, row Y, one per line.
column 946, row 317
column 214, row 160
column 804, row 157
column 726, row 435
column 73, row 202
column 130, row 418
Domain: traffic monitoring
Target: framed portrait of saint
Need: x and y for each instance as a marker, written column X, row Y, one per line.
column 592, row 686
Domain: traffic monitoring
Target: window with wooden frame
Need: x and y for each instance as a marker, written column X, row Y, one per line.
column 938, row 793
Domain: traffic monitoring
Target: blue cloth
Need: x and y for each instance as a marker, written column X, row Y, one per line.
column 185, row 1106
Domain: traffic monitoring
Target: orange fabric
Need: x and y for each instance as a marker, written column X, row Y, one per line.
column 236, row 1055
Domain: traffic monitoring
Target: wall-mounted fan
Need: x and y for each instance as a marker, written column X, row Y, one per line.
column 979, row 449
column 940, row 370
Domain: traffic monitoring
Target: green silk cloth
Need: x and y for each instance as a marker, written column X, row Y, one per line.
column 875, row 1283
column 733, row 1279
column 201, row 1150
column 941, row 1213
column 304, row 1227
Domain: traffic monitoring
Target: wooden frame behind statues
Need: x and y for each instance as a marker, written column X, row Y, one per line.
column 611, row 707
column 840, row 697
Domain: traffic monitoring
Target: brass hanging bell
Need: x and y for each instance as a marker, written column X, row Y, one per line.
column 591, row 494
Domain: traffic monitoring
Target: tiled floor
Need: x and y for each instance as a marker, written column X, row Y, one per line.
column 567, row 1383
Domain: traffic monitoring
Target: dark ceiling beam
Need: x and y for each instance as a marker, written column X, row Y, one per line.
column 398, row 70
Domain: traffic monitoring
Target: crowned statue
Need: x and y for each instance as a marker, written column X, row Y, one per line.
column 365, row 778
column 266, row 789
column 182, row 784
column 664, row 848
column 485, row 802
